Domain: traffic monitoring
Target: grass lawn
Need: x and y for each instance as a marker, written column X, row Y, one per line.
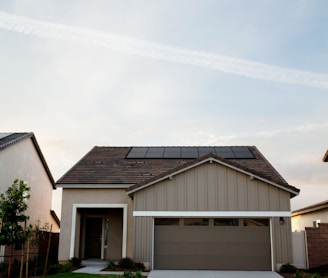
column 83, row 275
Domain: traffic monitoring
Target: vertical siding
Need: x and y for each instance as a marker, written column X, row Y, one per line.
column 212, row 190
column 282, row 241
column 222, row 189
column 143, row 239
column 263, row 197
column 252, row 192
column 212, row 187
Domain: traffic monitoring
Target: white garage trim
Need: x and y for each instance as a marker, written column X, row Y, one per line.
column 240, row 214
column 271, row 243
column 125, row 222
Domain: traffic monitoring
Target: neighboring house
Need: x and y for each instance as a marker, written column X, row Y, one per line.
column 310, row 216
column 21, row 158
column 325, row 157
column 177, row 208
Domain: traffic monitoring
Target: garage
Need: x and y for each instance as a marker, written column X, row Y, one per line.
column 212, row 243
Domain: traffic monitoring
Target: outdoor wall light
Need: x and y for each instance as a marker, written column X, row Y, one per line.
column 282, row 221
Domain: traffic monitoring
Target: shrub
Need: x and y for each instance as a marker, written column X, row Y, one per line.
column 288, row 268
column 315, row 275
column 111, row 265
column 128, row 274
column 66, row 267
column 139, row 266
column 76, row 262
column 126, row 263
column 299, row 274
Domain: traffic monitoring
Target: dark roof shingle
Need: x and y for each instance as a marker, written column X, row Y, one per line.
column 109, row 165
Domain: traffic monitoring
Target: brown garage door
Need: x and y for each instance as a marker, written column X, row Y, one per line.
column 229, row 244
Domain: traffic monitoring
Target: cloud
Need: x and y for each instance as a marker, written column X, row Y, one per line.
column 157, row 51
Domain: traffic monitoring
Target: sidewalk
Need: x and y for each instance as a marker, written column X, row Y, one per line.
column 95, row 267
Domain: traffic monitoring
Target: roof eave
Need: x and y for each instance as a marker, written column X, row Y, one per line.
column 309, row 209
column 325, row 157
column 94, row 185
column 55, row 217
column 44, row 163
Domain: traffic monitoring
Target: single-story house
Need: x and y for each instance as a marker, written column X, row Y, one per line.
column 177, row 208
column 310, row 216
column 21, row 158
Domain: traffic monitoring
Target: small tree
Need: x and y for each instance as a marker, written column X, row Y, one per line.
column 12, row 215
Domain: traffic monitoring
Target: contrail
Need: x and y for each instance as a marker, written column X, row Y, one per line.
column 163, row 52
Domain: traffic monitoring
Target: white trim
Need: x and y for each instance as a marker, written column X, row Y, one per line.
column 271, row 245
column 125, row 221
column 153, row 244
column 211, row 160
column 93, row 186
column 213, row 213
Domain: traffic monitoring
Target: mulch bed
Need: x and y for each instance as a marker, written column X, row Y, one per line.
column 322, row 271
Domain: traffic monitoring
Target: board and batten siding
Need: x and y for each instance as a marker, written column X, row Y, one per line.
column 212, row 187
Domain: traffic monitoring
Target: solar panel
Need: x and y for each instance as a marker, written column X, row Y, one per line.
column 137, row 152
column 224, row 152
column 189, row 152
column 238, row 152
column 172, row 152
column 206, row 150
column 242, row 152
column 155, row 152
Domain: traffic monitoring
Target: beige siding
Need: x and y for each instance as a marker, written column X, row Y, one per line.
column 212, row 187
column 90, row 196
column 143, row 239
column 22, row 161
column 282, row 241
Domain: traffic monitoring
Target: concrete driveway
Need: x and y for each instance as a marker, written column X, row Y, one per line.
column 211, row 274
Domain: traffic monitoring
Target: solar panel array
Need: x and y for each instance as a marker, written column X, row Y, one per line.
column 237, row 152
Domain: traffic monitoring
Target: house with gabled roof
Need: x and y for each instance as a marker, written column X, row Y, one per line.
column 21, row 158
column 312, row 215
column 177, row 208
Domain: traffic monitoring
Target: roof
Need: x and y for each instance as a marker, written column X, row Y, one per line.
column 9, row 139
column 325, row 157
column 55, row 217
column 112, row 167
column 312, row 208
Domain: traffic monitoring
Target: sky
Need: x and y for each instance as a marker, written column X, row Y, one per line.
column 84, row 73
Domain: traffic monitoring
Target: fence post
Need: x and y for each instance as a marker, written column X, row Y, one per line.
column 48, row 250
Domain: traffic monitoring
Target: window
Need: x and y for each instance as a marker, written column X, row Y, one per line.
column 316, row 223
column 256, row 222
column 167, row 221
column 226, row 222
column 196, row 221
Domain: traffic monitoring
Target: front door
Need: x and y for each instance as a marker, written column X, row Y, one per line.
column 93, row 237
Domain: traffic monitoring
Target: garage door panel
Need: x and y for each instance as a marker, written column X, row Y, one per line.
column 212, row 247
column 224, row 262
